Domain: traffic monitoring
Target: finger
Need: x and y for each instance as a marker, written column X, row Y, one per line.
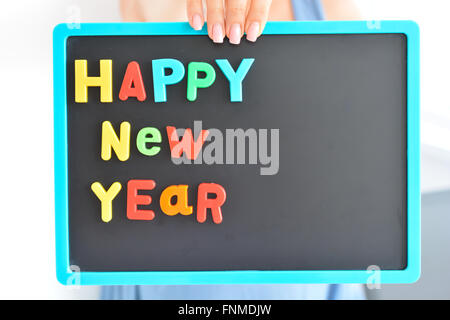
column 195, row 13
column 257, row 18
column 215, row 19
column 235, row 19
column 131, row 11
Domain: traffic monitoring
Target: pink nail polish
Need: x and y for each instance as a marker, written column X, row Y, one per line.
column 253, row 31
column 217, row 33
column 197, row 22
column 235, row 34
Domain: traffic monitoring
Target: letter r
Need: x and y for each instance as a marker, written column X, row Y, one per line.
column 203, row 202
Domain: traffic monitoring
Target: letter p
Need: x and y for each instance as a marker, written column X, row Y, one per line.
column 161, row 80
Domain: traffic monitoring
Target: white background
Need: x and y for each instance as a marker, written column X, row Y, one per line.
column 27, row 260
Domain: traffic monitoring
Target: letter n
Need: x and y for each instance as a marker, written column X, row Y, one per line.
column 111, row 141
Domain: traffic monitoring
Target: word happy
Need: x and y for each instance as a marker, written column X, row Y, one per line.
column 133, row 84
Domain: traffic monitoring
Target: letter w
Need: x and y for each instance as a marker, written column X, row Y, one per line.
column 187, row 144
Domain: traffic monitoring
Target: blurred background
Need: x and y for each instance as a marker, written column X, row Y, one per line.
column 27, row 260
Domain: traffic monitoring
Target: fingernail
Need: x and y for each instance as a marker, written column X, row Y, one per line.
column 235, row 34
column 197, row 22
column 217, row 33
column 253, row 31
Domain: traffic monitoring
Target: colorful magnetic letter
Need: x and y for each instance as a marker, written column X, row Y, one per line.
column 203, row 202
column 106, row 198
column 132, row 84
column 148, row 135
column 161, row 80
column 82, row 81
column 110, row 141
column 235, row 78
column 187, row 144
column 194, row 82
column 134, row 199
column 181, row 206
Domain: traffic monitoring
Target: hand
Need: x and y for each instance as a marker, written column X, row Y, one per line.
column 230, row 18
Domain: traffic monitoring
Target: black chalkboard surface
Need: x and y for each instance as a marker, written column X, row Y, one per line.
column 338, row 200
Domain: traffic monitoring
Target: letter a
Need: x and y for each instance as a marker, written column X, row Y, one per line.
column 132, row 84
column 181, row 206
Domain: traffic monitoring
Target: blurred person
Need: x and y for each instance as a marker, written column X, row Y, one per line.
column 230, row 19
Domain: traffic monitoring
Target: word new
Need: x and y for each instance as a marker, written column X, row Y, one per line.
column 165, row 72
column 149, row 138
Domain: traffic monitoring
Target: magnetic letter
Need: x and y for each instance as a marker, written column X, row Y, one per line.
column 82, row 81
column 235, row 78
column 187, row 144
column 181, row 206
column 110, row 141
column 106, row 198
column 160, row 80
column 203, row 202
column 134, row 199
column 194, row 82
column 132, row 84
column 148, row 135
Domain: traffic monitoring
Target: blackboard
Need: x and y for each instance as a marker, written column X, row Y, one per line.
column 338, row 200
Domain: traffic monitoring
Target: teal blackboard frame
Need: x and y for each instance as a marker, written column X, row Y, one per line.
column 68, row 275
